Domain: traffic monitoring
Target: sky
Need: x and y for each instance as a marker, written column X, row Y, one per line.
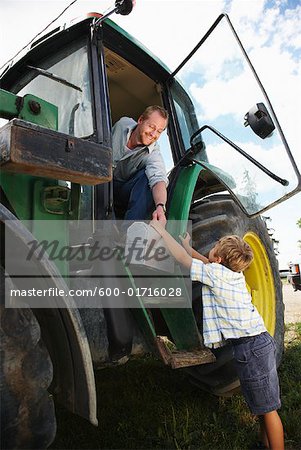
column 269, row 30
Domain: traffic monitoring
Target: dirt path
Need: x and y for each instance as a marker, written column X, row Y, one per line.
column 292, row 301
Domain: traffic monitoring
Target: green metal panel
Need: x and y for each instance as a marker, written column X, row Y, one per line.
column 141, row 315
column 25, row 194
column 182, row 195
column 18, row 190
column 48, row 225
column 30, row 108
column 181, row 321
column 46, row 113
column 8, row 106
column 182, row 326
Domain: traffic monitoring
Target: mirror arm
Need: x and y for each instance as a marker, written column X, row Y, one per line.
column 123, row 7
column 242, row 152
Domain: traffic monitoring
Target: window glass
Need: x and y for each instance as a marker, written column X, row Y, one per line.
column 166, row 151
column 217, row 87
column 74, row 105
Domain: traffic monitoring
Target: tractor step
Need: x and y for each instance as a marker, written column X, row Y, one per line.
column 182, row 358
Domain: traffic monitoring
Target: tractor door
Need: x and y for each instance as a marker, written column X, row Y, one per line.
column 245, row 148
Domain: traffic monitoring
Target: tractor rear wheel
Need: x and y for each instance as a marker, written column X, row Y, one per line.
column 27, row 410
column 213, row 218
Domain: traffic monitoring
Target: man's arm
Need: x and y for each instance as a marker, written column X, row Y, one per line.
column 156, row 173
column 177, row 251
column 160, row 196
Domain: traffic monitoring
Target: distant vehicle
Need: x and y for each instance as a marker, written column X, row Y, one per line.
column 284, row 273
column 294, row 277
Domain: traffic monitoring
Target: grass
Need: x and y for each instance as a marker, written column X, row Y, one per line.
column 144, row 405
column 290, row 378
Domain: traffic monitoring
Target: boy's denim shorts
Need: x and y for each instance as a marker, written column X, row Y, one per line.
column 256, row 369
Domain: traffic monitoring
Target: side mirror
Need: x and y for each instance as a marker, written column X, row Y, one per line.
column 124, row 7
column 260, row 121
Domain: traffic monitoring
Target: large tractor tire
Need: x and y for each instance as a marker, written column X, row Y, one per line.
column 27, row 410
column 213, row 218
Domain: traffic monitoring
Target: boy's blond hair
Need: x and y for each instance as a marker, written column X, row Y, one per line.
column 235, row 253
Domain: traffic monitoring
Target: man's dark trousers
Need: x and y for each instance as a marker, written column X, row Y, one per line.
column 135, row 195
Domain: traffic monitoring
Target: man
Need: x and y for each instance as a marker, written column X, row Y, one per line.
column 140, row 178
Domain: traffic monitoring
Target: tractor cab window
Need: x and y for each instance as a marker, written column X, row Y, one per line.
column 68, row 89
column 224, row 92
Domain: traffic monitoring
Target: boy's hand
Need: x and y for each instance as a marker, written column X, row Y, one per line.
column 157, row 225
column 159, row 215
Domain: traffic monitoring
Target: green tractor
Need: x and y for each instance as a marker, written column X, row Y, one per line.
column 61, row 99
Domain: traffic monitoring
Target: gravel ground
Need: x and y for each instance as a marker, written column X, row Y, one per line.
column 292, row 302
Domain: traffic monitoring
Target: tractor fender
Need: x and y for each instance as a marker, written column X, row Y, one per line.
column 62, row 329
column 181, row 190
column 184, row 181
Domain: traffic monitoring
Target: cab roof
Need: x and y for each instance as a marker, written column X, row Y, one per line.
column 114, row 37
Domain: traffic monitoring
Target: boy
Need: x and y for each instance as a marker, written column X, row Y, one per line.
column 228, row 314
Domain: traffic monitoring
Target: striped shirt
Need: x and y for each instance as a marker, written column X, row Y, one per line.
column 228, row 312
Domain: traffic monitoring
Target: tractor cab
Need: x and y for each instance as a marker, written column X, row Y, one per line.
column 221, row 116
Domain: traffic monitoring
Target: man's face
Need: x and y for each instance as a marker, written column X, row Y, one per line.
column 150, row 129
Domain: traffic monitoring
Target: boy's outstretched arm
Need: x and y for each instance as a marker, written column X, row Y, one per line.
column 194, row 254
column 177, row 251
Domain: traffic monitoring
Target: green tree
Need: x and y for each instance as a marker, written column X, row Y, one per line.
column 250, row 192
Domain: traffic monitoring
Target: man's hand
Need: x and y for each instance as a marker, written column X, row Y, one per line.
column 160, row 197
